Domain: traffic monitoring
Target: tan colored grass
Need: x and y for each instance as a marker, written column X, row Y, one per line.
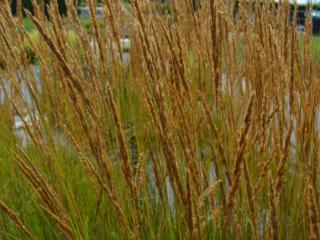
column 209, row 131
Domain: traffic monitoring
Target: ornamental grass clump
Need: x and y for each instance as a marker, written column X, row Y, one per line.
column 207, row 127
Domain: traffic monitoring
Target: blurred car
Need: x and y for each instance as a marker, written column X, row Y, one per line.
column 303, row 7
column 84, row 12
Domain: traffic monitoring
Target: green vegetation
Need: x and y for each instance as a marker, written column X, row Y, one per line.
column 27, row 4
column 35, row 39
column 87, row 24
column 316, row 47
column 210, row 131
column 28, row 24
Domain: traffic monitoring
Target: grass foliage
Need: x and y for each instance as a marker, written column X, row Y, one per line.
column 210, row 131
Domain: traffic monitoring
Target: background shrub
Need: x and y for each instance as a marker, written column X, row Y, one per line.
column 27, row 4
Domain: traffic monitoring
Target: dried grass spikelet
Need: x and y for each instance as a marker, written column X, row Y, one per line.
column 250, row 198
column 49, row 197
column 283, row 162
column 107, row 186
column 207, row 192
column 109, row 14
column 273, row 229
column 166, row 71
column 211, row 197
column 217, row 172
column 239, row 232
column 239, row 161
column 75, row 82
column 216, row 46
column 140, row 171
column 263, row 170
column 177, row 59
column 186, row 138
column 101, row 45
column 167, row 145
column 156, row 171
column 189, row 207
column 126, row 164
column 19, row 10
column 313, row 215
column 213, row 127
column 15, row 218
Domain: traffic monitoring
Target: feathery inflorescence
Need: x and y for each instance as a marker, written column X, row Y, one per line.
column 181, row 119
